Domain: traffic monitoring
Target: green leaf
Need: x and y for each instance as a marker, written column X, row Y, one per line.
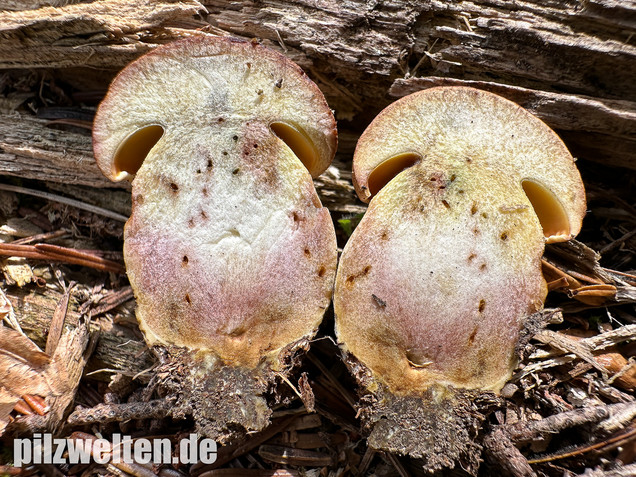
column 349, row 223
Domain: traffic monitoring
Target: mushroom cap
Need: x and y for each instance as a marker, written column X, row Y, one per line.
column 205, row 82
column 434, row 283
column 228, row 248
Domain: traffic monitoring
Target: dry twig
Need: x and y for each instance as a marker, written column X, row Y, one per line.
column 55, row 253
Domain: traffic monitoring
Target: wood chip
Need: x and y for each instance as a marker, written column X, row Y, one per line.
column 250, row 473
column 57, row 322
column 568, row 345
column 611, row 338
column 291, row 456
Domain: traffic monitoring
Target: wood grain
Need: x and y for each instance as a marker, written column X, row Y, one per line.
column 581, row 55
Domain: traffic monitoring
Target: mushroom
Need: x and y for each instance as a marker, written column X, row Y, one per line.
column 465, row 189
column 228, row 249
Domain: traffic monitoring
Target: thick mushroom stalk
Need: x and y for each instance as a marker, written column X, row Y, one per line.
column 433, row 286
column 228, row 249
column 436, row 280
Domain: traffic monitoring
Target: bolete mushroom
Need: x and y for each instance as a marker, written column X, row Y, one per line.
column 432, row 288
column 229, row 251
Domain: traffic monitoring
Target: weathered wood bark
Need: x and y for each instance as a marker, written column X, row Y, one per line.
column 93, row 34
column 561, row 52
column 31, row 150
column 118, row 350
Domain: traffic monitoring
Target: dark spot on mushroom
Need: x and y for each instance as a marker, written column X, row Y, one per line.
column 279, row 83
column 174, row 187
column 220, row 120
column 385, row 236
column 204, row 215
column 476, row 231
column 209, row 165
column 504, row 236
column 473, row 209
column 483, row 267
column 469, row 160
column 198, row 171
column 204, row 191
column 184, row 260
column 295, row 216
column 378, row 301
column 472, row 257
column 191, row 223
column 236, row 171
column 352, row 278
column 484, row 215
column 248, row 64
column 235, row 138
column 187, row 299
column 307, row 253
column 259, row 92
column 322, row 271
column 225, row 153
column 255, row 146
column 138, row 199
column 482, row 306
column 453, row 177
column 446, row 204
column 471, row 338
column 460, row 191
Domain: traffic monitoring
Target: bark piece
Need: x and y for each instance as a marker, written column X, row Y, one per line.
column 31, row 150
column 118, row 350
column 63, row 375
column 23, row 370
column 97, row 34
column 104, row 413
column 356, row 50
column 501, row 452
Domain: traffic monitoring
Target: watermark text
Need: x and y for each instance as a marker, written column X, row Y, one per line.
column 84, row 449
